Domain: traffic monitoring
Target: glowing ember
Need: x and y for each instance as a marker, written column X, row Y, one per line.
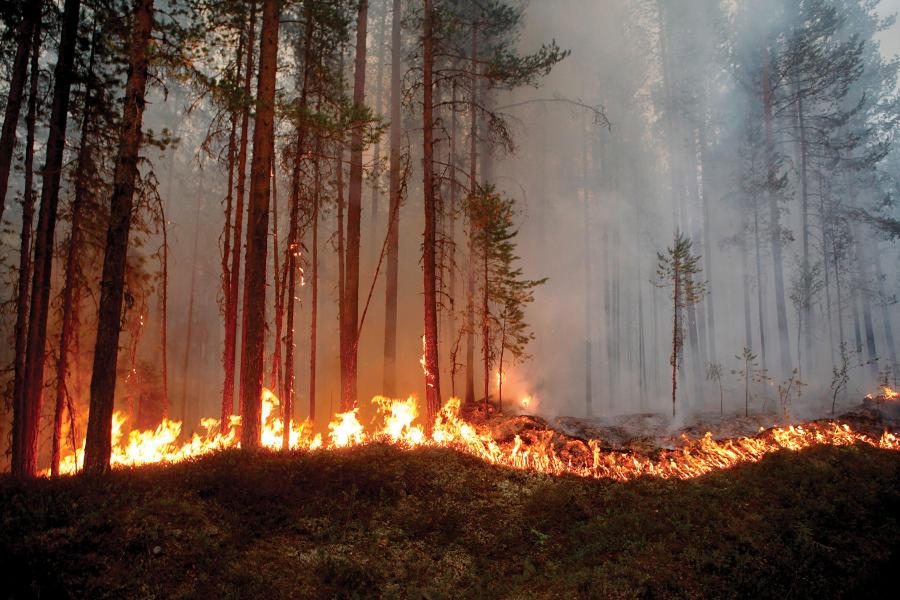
column 542, row 451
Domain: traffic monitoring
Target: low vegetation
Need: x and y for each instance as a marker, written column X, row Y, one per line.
column 377, row 521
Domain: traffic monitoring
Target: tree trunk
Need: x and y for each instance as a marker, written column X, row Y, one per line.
column 314, row 282
column 473, row 189
column 293, row 241
column 500, row 369
column 451, row 234
column 745, row 285
column 164, row 314
column 393, row 249
column 379, row 107
column 231, row 325
column 883, row 301
column 342, row 271
column 230, row 273
column 257, row 228
column 354, row 216
column 27, row 36
column 865, row 300
column 676, row 327
column 20, row 405
column 707, row 243
column 826, row 271
column 485, row 319
column 588, row 299
column 189, row 329
column 278, row 284
column 806, row 313
column 69, row 308
column 112, row 286
column 432, row 374
column 26, row 423
column 761, row 306
column 747, row 388
column 837, row 289
column 775, row 217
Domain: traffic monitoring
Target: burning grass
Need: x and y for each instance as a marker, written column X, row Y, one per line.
column 378, row 521
column 535, row 447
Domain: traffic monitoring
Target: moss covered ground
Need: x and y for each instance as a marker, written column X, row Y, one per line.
column 379, row 522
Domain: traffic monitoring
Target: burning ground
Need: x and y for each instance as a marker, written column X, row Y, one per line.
column 378, row 519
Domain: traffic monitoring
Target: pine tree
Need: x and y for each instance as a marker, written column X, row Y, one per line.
column 257, row 231
column 677, row 269
column 103, row 378
column 505, row 293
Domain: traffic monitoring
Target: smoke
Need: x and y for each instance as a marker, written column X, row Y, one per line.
column 595, row 205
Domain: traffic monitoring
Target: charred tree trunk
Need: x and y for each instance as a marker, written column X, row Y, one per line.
column 350, row 313
column 112, row 286
column 257, row 229
column 25, row 423
column 21, row 329
column 394, row 190
column 27, row 38
column 432, row 373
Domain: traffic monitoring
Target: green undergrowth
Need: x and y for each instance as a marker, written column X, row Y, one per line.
column 380, row 522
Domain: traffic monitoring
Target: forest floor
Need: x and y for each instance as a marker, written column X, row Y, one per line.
column 377, row 521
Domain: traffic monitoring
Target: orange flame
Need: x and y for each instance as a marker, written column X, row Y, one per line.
column 890, row 394
column 540, row 450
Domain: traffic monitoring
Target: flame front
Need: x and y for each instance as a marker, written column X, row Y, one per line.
column 542, row 450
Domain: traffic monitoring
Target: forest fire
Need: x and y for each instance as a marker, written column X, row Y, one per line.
column 541, row 451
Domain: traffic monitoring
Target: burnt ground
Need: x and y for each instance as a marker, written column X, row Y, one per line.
column 377, row 521
column 647, row 433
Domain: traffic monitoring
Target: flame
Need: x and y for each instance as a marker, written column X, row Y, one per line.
column 398, row 421
column 346, row 430
column 422, row 360
column 890, row 394
column 544, row 451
